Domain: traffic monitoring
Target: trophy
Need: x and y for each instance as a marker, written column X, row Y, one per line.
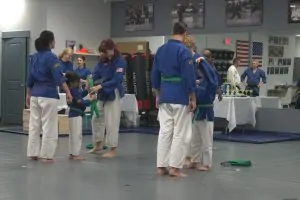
column 227, row 90
column 251, row 93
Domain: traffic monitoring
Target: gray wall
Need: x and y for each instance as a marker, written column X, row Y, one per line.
column 275, row 18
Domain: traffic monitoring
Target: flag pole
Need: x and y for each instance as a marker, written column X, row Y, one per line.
column 250, row 48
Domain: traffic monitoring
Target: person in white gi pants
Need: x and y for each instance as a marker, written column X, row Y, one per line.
column 108, row 77
column 203, row 122
column 76, row 112
column 173, row 80
column 44, row 76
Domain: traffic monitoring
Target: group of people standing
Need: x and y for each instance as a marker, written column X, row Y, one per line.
column 185, row 84
column 47, row 72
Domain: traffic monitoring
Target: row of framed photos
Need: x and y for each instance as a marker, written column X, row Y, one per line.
column 274, row 40
column 139, row 16
column 277, row 70
column 280, row 61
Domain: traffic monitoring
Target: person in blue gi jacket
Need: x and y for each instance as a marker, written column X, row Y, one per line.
column 82, row 70
column 108, row 77
column 44, row 76
column 76, row 112
column 174, row 83
column 65, row 60
column 199, row 154
column 256, row 77
column 210, row 59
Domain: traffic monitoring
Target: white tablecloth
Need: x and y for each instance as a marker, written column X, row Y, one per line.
column 242, row 110
column 237, row 110
column 128, row 105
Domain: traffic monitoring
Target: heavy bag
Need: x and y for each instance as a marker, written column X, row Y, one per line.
column 139, row 66
column 128, row 76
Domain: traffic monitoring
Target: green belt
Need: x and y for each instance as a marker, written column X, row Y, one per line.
column 198, row 109
column 171, row 79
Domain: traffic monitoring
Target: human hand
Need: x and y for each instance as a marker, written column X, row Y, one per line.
column 95, row 88
column 83, row 82
column 28, row 97
column 157, row 102
column 192, row 105
column 220, row 97
column 198, row 60
column 69, row 97
column 260, row 84
column 92, row 97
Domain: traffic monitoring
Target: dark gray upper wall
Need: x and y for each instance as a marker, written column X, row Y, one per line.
column 275, row 18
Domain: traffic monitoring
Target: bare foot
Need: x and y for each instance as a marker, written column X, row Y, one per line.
column 192, row 165
column 79, row 157
column 44, row 160
column 203, row 168
column 176, row 173
column 33, row 157
column 162, row 171
column 96, row 148
column 110, row 154
column 187, row 162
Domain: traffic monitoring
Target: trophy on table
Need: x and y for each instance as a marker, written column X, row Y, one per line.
column 227, row 90
column 251, row 93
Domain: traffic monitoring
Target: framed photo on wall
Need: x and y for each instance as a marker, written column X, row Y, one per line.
column 244, row 12
column 191, row 13
column 294, row 11
column 139, row 17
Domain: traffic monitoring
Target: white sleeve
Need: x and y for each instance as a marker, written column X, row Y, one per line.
column 238, row 77
column 230, row 75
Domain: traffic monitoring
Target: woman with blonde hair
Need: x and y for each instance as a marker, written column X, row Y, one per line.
column 65, row 60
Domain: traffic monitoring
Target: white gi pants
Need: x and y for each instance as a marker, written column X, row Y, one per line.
column 43, row 119
column 174, row 135
column 109, row 120
column 75, row 137
column 201, row 146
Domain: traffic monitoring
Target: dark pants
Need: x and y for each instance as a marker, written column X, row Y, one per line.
column 297, row 104
column 255, row 90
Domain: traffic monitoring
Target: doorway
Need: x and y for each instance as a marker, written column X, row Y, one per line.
column 14, row 68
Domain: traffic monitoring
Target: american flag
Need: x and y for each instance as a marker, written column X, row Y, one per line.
column 242, row 52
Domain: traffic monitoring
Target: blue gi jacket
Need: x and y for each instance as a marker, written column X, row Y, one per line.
column 206, row 92
column 173, row 73
column 66, row 66
column 253, row 79
column 44, row 75
column 111, row 74
column 83, row 73
column 78, row 105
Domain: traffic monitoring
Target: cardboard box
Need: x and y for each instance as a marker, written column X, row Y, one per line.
column 63, row 125
column 26, row 115
column 133, row 47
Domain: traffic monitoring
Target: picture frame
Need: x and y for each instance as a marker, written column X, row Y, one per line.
column 272, row 70
column 192, row 13
column 286, row 70
column 139, row 16
column 243, row 13
column 294, row 11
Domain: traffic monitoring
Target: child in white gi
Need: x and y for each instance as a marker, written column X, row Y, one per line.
column 76, row 112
